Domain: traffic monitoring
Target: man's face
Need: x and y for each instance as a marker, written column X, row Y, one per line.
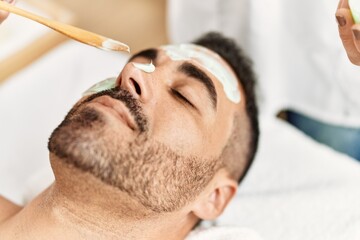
column 157, row 135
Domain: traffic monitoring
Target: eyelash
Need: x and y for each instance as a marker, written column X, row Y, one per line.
column 182, row 98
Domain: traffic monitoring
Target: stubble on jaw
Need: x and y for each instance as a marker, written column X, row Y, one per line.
column 158, row 177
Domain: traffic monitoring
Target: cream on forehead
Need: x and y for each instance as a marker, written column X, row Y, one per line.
column 101, row 86
column 211, row 62
column 147, row 67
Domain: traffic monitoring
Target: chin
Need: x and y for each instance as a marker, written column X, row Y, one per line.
column 83, row 139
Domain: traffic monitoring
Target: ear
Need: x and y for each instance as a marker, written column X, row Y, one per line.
column 216, row 196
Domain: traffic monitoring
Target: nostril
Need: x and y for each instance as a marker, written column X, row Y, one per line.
column 137, row 87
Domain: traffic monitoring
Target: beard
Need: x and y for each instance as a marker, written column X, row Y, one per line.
column 150, row 172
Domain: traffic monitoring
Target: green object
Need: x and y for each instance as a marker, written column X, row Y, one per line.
column 355, row 10
column 101, row 86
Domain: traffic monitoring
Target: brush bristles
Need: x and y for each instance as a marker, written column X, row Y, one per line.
column 113, row 45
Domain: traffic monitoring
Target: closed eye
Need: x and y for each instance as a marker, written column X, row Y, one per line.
column 182, row 98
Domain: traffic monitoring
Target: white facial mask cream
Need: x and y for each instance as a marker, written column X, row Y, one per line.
column 148, row 68
column 355, row 10
column 101, row 86
column 211, row 62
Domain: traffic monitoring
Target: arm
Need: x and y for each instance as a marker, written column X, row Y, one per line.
column 349, row 32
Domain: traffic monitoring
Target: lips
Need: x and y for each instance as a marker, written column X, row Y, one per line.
column 119, row 108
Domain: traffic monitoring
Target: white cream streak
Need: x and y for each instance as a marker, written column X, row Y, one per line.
column 113, row 45
column 147, row 67
column 101, row 86
column 211, row 62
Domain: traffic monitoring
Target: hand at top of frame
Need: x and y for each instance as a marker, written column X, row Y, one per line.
column 3, row 14
column 349, row 31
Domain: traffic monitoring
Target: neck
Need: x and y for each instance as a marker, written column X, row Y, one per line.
column 83, row 207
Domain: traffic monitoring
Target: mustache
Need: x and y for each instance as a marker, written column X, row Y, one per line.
column 130, row 102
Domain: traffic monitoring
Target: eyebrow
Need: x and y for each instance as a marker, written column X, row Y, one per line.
column 193, row 71
column 150, row 54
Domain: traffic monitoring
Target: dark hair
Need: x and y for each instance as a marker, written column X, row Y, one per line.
column 242, row 66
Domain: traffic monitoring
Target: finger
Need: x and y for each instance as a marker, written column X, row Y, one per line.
column 340, row 4
column 343, row 4
column 356, row 35
column 4, row 14
column 346, row 22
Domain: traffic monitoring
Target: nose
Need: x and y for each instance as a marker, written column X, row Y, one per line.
column 140, row 84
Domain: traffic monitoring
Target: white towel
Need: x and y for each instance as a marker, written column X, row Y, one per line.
column 223, row 233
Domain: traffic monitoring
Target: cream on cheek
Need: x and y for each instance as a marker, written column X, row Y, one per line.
column 111, row 82
column 101, row 86
column 211, row 62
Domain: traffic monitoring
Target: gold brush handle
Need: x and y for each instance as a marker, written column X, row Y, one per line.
column 75, row 33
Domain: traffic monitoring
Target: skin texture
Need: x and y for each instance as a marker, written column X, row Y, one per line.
column 7, row 209
column 151, row 177
column 347, row 30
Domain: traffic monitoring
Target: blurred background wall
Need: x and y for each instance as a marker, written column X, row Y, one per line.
column 139, row 23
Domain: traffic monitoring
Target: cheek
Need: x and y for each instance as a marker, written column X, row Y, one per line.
column 178, row 129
